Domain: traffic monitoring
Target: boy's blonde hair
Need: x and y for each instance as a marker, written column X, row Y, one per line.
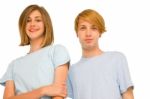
column 93, row 17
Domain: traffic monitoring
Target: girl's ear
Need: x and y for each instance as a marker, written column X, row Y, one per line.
column 77, row 34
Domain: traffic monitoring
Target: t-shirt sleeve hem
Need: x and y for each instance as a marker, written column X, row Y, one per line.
column 126, row 88
column 3, row 81
column 61, row 63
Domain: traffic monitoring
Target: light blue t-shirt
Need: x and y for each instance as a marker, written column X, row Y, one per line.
column 101, row 77
column 36, row 69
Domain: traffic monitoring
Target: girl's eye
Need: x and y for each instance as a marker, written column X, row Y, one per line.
column 38, row 20
column 28, row 20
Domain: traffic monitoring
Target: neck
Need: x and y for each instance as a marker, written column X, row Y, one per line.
column 91, row 52
column 35, row 45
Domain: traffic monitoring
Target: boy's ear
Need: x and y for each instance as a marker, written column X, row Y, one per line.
column 100, row 35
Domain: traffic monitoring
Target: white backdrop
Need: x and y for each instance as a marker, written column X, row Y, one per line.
column 127, row 23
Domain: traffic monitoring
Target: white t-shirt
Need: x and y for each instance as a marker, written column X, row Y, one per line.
column 36, row 69
column 101, row 77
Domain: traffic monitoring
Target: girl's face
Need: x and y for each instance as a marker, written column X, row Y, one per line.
column 88, row 35
column 35, row 25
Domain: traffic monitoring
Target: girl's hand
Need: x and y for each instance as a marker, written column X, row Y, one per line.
column 55, row 89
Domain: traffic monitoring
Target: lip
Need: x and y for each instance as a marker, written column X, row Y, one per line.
column 33, row 30
column 88, row 40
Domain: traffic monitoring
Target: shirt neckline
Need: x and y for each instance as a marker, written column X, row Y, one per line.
column 93, row 57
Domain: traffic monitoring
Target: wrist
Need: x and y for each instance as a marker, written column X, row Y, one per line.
column 43, row 91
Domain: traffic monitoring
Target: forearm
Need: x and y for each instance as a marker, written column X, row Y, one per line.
column 35, row 94
column 128, row 94
column 60, row 77
column 128, row 97
column 49, row 90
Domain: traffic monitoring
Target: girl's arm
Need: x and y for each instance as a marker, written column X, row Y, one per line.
column 50, row 90
column 9, row 92
column 61, row 73
column 128, row 94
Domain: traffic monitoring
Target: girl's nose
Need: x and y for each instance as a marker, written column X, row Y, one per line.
column 32, row 23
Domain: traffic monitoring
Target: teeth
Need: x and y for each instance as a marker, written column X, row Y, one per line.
column 32, row 30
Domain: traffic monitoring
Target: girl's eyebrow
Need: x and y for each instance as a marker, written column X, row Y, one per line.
column 36, row 17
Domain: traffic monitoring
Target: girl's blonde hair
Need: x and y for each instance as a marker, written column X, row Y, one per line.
column 48, row 31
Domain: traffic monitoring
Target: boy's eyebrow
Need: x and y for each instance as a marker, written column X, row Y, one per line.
column 93, row 25
column 81, row 25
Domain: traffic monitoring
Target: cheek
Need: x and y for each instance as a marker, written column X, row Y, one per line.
column 81, row 39
column 42, row 28
column 26, row 28
column 41, row 25
column 96, row 34
column 81, row 34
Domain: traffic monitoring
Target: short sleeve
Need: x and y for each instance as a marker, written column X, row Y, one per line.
column 8, row 74
column 60, row 55
column 124, row 79
column 69, row 88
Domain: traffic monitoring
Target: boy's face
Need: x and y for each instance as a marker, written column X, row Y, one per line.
column 88, row 35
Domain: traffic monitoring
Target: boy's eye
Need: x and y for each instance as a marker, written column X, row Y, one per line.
column 82, row 28
column 94, row 28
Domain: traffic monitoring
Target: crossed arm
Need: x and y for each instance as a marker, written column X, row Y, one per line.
column 57, row 90
column 128, row 94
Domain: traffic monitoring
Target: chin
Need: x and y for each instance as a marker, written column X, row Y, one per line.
column 88, row 47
